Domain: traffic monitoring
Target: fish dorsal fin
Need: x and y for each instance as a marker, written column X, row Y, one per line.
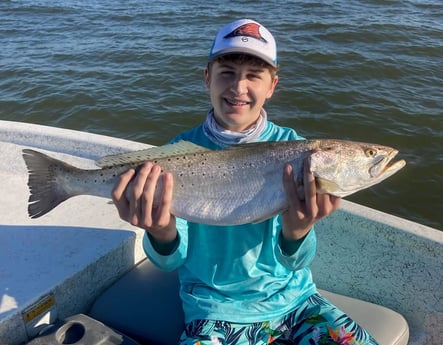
column 151, row 154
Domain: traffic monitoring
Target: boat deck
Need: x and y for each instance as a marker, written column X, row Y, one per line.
column 57, row 265
column 67, row 257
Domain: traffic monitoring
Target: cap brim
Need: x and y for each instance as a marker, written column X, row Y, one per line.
column 243, row 50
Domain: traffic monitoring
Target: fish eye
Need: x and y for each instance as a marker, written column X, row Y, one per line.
column 370, row 152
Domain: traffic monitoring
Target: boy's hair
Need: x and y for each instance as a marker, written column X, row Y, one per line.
column 239, row 58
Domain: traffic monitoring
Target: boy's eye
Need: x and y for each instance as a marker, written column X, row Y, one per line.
column 254, row 76
column 226, row 73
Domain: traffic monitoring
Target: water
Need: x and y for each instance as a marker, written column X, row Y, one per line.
column 362, row 70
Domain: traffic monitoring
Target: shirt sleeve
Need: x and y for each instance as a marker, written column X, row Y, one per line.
column 177, row 257
column 303, row 256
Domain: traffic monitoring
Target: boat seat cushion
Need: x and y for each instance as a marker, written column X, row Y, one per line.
column 145, row 305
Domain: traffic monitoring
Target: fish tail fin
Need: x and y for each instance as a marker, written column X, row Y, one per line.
column 45, row 191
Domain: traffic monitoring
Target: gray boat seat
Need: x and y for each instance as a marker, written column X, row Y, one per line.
column 145, row 305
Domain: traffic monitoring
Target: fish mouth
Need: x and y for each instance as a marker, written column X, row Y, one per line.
column 386, row 167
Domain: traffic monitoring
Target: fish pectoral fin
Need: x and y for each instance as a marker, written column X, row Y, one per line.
column 326, row 186
column 151, row 154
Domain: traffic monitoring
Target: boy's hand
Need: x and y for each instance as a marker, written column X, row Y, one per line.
column 133, row 196
column 301, row 214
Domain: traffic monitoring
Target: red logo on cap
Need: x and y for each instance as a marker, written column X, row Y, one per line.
column 249, row 30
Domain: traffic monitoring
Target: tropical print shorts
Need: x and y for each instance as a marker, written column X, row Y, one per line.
column 316, row 322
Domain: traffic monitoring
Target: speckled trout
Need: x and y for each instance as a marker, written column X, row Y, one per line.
column 241, row 184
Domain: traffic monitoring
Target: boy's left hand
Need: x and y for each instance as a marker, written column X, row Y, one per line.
column 301, row 214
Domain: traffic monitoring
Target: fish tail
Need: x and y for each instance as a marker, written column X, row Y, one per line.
column 45, row 190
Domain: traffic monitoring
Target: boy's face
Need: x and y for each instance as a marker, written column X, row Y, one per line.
column 238, row 91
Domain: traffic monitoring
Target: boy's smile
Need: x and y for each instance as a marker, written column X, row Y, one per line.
column 238, row 92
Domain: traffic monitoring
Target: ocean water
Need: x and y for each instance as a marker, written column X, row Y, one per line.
column 368, row 70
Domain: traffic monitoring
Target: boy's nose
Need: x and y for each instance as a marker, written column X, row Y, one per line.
column 239, row 87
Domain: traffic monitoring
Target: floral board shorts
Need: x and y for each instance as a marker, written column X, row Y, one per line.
column 315, row 322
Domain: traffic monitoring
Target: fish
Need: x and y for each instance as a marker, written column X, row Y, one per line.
column 238, row 185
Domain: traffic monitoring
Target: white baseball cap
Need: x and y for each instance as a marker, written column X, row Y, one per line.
column 245, row 36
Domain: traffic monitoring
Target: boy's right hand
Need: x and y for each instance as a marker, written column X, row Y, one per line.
column 133, row 195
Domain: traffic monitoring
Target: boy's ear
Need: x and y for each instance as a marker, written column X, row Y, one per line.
column 273, row 85
column 206, row 76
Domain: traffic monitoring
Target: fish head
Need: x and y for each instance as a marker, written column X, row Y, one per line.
column 342, row 168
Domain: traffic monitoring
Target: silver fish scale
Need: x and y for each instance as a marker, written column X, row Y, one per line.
column 235, row 186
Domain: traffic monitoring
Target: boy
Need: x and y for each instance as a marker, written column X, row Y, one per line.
column 246, row 284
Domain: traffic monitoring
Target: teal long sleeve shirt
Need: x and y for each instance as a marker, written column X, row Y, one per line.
column 238, row 273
